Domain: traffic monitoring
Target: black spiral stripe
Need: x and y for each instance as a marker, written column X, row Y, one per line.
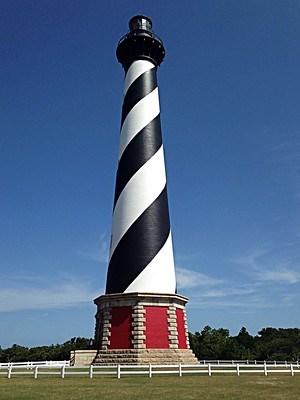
column 139, row 246
column 141, row 148
column 142, row 86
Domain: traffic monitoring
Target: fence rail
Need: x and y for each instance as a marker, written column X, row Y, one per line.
column 34, row 363
column 149, row 370
column 248, row 362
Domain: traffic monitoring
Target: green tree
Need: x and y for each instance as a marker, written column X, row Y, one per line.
column 278, row 344
column 15, row 353
column 211, row 343
column 244, row 338
column 1, row 355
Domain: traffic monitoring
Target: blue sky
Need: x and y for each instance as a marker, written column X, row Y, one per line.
column 230, row 95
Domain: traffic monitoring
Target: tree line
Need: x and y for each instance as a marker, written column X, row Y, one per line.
column 270, row 344
column 209, row 344
column 56, row 352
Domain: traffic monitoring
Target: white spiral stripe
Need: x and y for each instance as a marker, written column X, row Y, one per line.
column 139, row 193
column 159, row 275
column 139, row 116
column 136, row 69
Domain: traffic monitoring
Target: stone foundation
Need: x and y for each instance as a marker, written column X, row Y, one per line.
column 82, row 357
column 142, row 328
column 142, row 357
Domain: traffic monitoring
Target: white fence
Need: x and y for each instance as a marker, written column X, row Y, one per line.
column 29, row 364
column 248, row 362
column 148, row 370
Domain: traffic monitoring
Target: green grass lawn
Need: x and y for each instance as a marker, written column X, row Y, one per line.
column 201, row 387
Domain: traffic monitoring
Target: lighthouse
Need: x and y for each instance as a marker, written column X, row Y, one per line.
column 141, row 254
column 141, row 318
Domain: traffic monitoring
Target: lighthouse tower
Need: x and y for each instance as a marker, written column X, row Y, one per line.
column 141, row 318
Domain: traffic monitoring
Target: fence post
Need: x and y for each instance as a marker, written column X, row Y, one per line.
column 265, row 369
column 150, row 371
column 292, row 369
column 63, row 371
column 119, row 371
column 9, row 371
column 180, row 370
column 36, row 371
column 238, row 369
column 209, row 369
column 91, row 371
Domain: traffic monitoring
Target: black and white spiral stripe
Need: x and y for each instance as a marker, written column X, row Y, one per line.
column 141, row 252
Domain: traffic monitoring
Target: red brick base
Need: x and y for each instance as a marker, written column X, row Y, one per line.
column 141, row 321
